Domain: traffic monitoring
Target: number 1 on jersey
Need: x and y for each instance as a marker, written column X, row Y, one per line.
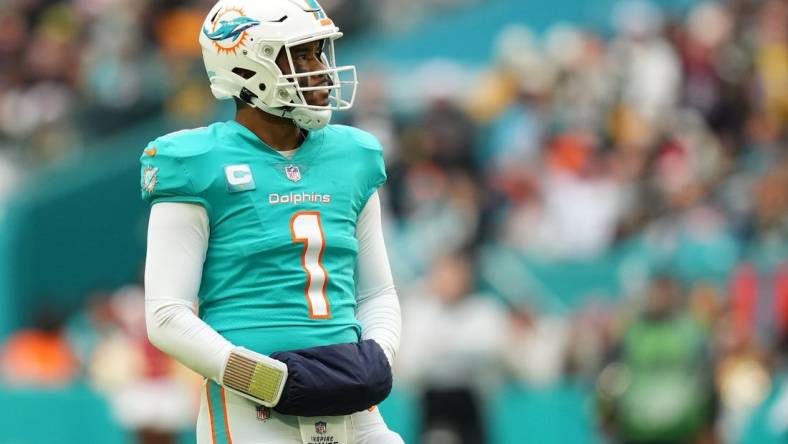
column 306, row 228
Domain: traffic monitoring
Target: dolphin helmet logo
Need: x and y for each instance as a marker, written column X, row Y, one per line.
column 229, row 29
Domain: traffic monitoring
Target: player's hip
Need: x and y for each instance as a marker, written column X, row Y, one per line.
column 227, row 418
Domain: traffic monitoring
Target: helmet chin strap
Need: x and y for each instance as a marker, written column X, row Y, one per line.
column 310, row 119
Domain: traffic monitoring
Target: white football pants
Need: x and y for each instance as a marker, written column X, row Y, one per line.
column 226, row 418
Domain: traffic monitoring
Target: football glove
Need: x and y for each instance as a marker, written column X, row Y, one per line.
column 254, row 376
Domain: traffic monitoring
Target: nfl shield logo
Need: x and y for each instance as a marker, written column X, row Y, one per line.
column 320, row 428
column 293, row 173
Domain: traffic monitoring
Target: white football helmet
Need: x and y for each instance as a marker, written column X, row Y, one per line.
column 241, row 40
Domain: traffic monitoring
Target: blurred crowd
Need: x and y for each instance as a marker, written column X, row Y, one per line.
column 105, row 347
column 661, row 150
column 653, row 157
column 73, row 72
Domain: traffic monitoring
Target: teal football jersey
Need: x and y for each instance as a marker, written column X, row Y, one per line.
column 279, row 270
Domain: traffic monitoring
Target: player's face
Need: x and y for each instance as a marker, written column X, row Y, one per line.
column 308, row 57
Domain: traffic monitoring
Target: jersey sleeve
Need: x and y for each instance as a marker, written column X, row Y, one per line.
column 167, row 177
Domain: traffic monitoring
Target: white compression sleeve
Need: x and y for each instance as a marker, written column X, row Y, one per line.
column 377, row 308
column 177, row 242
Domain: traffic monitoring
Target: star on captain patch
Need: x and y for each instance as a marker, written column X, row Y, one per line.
column 150, row 178
column 293, row 173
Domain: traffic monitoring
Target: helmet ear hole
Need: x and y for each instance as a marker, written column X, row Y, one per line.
column 262, row 87
column 244, row 73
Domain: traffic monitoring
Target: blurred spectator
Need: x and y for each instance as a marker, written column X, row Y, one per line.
column 451, row 350
column 39, row 356
column 658, row 389
column 149, row 392
column 644, row 64
column 535, row 349
column 741, row 373
column 441, row 215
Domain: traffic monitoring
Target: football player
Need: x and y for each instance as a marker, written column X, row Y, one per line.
column 270, row 224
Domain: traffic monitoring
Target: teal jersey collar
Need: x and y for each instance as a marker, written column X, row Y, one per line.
column 306, row 151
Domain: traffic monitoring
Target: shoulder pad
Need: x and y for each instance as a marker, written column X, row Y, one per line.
column 177, row 166
column 361, row 137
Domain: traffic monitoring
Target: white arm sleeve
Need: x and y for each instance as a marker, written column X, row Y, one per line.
column 377, row 307
column 177, row 242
